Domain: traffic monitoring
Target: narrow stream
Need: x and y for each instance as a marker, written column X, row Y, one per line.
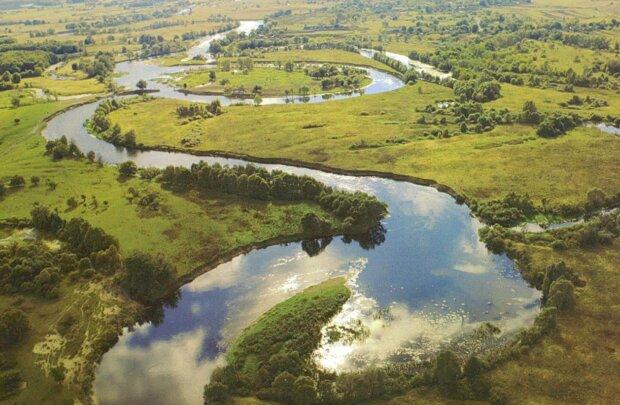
column 423, row 283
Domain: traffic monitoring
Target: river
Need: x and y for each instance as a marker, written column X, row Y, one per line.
column 422, row 283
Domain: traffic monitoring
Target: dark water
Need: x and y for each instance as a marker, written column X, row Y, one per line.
column 423, row 283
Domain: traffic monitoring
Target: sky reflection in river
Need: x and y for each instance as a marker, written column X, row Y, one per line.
column 429, row 282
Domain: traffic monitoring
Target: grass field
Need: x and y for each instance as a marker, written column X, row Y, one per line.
column 321, row 56
column 66, row 87
column 274, row 82
column 482, row 166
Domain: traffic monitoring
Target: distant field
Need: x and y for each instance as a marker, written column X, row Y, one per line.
column 482, row 166
column 66, row 87
column 274, row 82
column 322, row 56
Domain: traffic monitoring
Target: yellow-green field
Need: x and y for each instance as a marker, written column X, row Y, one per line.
column 272, row 81
column 481, row 166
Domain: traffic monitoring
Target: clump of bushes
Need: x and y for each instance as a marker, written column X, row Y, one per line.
column 556, row 124
column 62, row 149
column 509, row 211
column 197, row 110
column 481, row 90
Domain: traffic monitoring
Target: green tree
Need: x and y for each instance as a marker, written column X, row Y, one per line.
column 127, row 169
column 562, row 294
column 142, row 84
column 215, row 393
column 304, row 390
column 147, row 278
column 283, row 385
column 14, row 326
column 447, row 370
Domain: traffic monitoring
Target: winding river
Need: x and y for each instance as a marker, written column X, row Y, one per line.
column 423, row 283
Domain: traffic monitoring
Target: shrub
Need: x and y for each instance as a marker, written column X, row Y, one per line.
column 147, row 279
column 17, row 181
column 447, row 370
column 10, row 381
column 14, row 326
column 127, row 169
column 215, row 393
column 562, row 294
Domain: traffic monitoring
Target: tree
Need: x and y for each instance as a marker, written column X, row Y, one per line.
column 529, row 113
column 142, row 84
column 258, row 100
column 17, row 181
column 212, row 77
column 14, row 325
column 447, row 370
column 127, row 169
column 304, row 390
column 562, row 294
column 215, row 392
column 283, row 385
column 147, row 278
column 473, row 367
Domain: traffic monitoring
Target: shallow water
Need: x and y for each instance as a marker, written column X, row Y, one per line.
column 423, row 282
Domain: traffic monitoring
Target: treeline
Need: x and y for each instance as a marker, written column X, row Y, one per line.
column 199, row 110
column 25, row 63
column 100, row 124
column 101, row 67
column 481, row 90
column 354, row 209
column 332, row 76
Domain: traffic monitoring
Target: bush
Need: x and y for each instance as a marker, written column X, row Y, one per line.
column 147, row 279
column 546, row 320
column 10, row 382
column 447, row 371
column 17, row 181
column 215, row 393
column 562, row 294
column 14, row 326
column 127, row 169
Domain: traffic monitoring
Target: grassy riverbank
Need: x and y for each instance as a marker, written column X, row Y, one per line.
column 381, row 132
